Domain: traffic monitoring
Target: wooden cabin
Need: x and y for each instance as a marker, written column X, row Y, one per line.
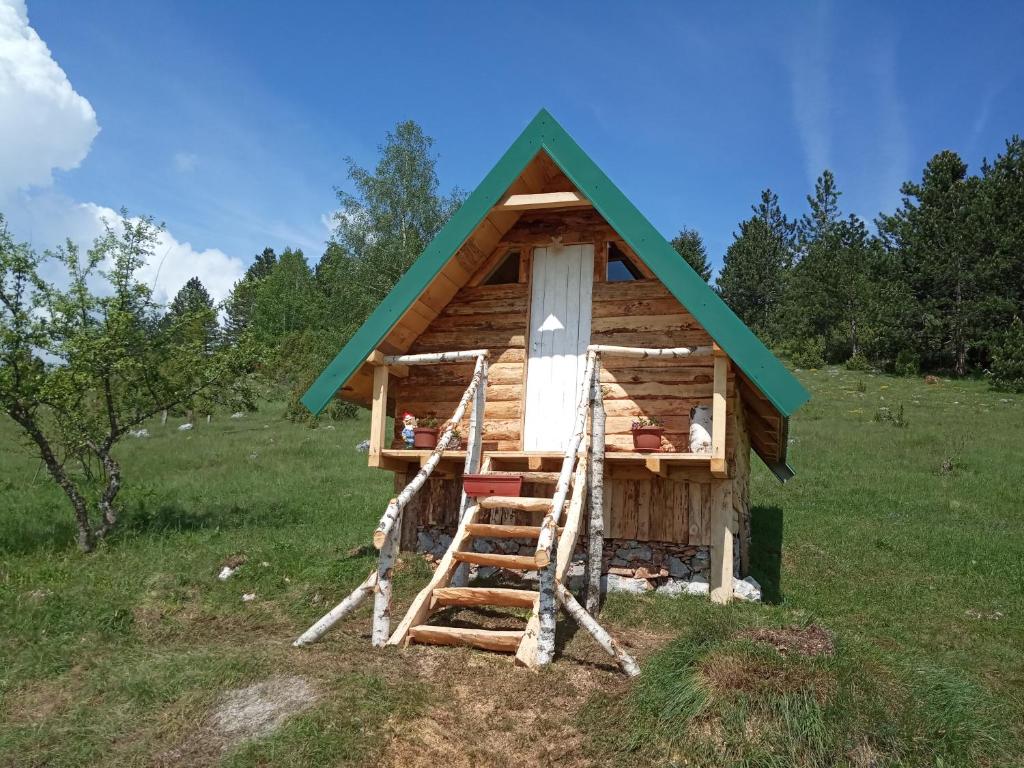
column 546, row 260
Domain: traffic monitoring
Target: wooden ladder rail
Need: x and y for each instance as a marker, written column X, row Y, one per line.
column 387, row 536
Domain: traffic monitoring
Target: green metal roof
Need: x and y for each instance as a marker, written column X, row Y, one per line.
column 744, row 348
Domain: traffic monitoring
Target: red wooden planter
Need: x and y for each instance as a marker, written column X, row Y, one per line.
column 492, row 485
column 648, row 438
column 424, row 437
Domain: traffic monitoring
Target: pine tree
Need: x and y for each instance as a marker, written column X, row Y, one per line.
column 239, row 306
column 938, row 237
column 689, row 244
column 753, row 276
column 192, row 314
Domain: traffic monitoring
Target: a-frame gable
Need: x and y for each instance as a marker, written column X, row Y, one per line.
column 765, row 373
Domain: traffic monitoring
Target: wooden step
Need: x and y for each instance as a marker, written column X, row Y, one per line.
column 515, row 562
column 513, row 598
column 521, row 503
column 487, row 530
column 505, row 640
column 529, row 476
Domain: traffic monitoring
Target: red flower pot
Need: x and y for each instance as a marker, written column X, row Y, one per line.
column 492, row 485
column 647, row 438
column 424, row 437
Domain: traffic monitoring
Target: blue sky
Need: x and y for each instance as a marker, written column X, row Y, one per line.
column 230, row 121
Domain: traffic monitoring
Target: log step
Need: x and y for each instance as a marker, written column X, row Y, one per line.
column 514, row 562
column 521, row 503
column 488, row 530
column 505, row 640
column 513, row 598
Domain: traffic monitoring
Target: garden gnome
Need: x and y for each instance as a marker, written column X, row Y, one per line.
column 408, row 425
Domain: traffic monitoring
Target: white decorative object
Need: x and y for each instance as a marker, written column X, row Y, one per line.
column 700, row 429
column 184, row 427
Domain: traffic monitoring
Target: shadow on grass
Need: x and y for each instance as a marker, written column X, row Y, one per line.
column 766, row 526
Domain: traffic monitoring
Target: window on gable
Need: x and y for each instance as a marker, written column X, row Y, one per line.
column 506, row 272
column 620, row 267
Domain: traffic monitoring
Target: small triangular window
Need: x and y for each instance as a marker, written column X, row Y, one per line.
column 620, row 266
column 506, row 272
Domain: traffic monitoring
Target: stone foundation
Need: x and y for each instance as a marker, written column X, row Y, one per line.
column 627, row 565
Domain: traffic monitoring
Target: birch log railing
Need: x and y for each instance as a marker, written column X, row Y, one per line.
column 386, row 538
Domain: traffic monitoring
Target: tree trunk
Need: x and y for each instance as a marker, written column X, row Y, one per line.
column 382, row 599
column 606, row 641
column 86, row 535
column 548, row 612
column 338, row 612
column 106, row 503
column 595, row 529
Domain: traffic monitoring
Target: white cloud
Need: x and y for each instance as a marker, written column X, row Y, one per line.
column 185, row 162
column 45, row 126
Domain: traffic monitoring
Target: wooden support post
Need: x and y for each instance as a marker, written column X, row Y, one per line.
column 382, row 597
column 719, row 466
column 379, row 415
column 722, row 529
column 474, row 451
column 595, row 529
column 338, row 612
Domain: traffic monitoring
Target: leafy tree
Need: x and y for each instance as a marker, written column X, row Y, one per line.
column 239, row 306
column 286, row 300
column 753, row 276
column 394, row 212
column 85, row 361
column 689, row 244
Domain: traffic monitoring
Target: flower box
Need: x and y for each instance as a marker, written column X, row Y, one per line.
column 492, row 485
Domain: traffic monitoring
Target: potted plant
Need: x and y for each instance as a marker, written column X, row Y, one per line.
column 647, row 433
column 492, row 485
column 425, row 433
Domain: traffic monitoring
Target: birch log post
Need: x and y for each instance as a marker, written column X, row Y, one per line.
column 595, row 529
column 397, row 504
column 545, row 542
column 547, row 612
column 606, row 641
column 338, row 612
column 382, row 595
column 642, row 353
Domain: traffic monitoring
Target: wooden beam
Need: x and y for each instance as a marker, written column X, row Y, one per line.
column 379, row 412
column 719, row 466
column 376, row 358
column 512, row 562
column 722, row 517
column 542, row 200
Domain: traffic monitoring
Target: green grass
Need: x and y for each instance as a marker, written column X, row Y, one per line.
column 905, row 541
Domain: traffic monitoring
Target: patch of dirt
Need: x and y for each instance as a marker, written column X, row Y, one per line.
column 40, row 700
column 242, row 715
column 249, row 713
column 487, row 711
column 811, row 640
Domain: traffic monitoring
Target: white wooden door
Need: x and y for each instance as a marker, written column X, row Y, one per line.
column 557, row 348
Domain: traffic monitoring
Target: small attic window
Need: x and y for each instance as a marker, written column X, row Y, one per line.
column 620, row 267
column 506, row 272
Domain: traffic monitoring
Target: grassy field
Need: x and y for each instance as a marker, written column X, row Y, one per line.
column 901, row 537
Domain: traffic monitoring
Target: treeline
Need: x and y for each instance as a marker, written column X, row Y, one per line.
column 936, row 286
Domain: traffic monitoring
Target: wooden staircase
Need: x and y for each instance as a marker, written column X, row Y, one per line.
column 438, row 594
